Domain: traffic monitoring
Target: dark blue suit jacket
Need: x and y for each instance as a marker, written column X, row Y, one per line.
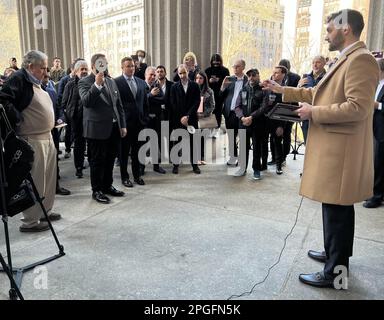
column 378, row 119
column 135, row 109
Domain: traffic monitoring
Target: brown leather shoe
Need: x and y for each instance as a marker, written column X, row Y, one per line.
column 42, row 226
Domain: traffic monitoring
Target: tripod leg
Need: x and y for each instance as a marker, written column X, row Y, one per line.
column 14, row 292
column 40, row 201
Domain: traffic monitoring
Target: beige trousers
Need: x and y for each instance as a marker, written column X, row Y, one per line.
column 44, row 174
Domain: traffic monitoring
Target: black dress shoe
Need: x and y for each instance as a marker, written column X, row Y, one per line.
column 79, row 173
column 196, row 170
column 272, row 163
column 175, row 170
column 101, row 197
column 127, row 183
column 62, row 191
column 318, row 256
column 317, row 280
column 140, row 182
column 372, row 204
column 112, row 191
column 159, row 169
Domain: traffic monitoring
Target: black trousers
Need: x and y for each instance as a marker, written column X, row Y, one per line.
column 130, row 145
column 232, row 122
column 218, row 112
column 339, row 230
column 79, row 142
column 101, row 157
column 378, row 188
column 155, row 124
column 259, row 138
column 56, row 140
column 276, row 143
column 305, row 128
column 287, row 139
column 193, row 156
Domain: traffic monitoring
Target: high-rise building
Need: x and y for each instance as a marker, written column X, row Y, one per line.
column 115, row 28
column 303, row 34
column 253, row 31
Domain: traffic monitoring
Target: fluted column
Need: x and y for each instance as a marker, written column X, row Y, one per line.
column 376, row 26
column 52, row 26
column 174, row 27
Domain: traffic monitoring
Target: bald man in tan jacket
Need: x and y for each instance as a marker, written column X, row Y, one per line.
column 338, row 167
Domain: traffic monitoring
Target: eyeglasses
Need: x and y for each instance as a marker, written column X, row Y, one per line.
column 236, row 66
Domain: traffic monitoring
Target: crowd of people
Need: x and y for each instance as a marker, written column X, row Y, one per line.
column 104, row 117
column 92, row 113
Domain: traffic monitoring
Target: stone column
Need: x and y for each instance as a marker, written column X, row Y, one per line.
column 174, row 27
column 376, row 26
column 52, row 26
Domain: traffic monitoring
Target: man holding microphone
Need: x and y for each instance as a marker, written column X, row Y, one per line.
column 338, row 168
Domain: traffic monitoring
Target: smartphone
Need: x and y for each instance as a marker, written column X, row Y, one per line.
column 232, row 79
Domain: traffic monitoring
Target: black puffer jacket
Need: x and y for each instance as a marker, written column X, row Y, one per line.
column 16, row 95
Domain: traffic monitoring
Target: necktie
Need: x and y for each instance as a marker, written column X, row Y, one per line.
column 132, row 86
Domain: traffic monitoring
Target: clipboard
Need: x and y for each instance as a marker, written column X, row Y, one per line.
column 284, row 112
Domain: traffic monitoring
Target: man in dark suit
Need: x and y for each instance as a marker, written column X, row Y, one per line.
column 165, row 85
column 155, row 101
column 133, row 95
column 185, row 101
column 230, row 91
column 104, row 126
column 378, row 132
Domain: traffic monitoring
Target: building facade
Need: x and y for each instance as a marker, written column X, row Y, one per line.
column 115, row 28
column 253, row 31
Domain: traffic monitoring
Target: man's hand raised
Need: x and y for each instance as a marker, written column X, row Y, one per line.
column 272, row 86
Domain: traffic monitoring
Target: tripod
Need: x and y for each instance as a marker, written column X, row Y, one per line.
column 297, row 145
column 14, row 292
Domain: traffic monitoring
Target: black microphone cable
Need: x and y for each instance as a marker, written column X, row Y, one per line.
column 276, row 263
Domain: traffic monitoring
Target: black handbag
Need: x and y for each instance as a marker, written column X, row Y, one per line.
column 22, row 200
column 18, row 161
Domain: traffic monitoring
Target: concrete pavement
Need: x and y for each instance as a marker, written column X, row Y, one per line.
column 192, row 237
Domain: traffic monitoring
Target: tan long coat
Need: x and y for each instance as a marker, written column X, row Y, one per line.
column 338, row 167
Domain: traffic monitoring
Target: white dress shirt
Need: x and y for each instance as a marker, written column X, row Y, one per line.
column 379, row 88
column 238, row 87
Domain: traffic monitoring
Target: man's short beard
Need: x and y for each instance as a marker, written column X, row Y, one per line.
column 337, row 42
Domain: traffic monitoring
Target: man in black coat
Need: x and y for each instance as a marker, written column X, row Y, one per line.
column 378, row 132
column 185, row 101
column 216, row 74
column 133, row 95
column 71, row 102
column 104, row 126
